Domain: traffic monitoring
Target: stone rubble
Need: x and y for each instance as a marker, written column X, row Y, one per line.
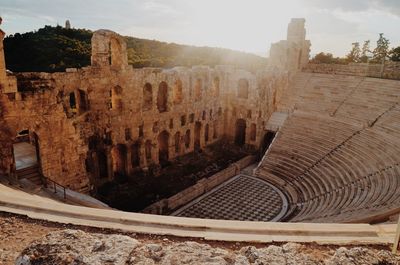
column 78, row 247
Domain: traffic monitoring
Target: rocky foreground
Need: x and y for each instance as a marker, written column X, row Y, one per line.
column 78, row 247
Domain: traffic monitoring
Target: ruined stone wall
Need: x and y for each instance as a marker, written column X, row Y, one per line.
column 391, row 70
column 293, row 53
column 109, row 120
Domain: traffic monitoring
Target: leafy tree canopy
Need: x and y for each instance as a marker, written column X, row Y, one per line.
column 52, row 49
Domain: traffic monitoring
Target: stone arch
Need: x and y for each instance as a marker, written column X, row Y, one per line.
column 240, row 132
column 26, row 150
column 147, row 96
column 178, row 97
column 253, row 132
column 162, row 97
column 135, row 154
column 216, row 86
column 148, row 147
column 197, row 136
column 177, row 142
column 108, row 48
column 118, row 154
column 206, row 133
column 116, row 98
column 198, row 87
column 243, row 88
column 187, row 138
column 163, row 144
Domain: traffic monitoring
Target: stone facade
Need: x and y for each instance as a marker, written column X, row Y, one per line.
column 293, row 53
column 99, row 122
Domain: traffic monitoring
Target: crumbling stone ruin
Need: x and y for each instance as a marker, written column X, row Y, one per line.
column 95, row 123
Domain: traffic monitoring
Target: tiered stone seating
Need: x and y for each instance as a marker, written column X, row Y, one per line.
column 338, row 159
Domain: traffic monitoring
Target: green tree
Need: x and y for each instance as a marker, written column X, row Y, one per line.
column 355, row 53
column 381, row 51
column 364, row 51
column 394, row 54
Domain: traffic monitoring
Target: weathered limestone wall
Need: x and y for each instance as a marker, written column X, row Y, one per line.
column 109, row 120
column 391, row 70
column 293, row 53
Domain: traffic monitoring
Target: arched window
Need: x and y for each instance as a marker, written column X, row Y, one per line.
column 135, row 159
column 163, row 143
column 187, row 139
column 243, row 88
column 147, row 148
column 147, row 97
column 178, row 97
column 162, row 97
column 177, row 143
column 119, row 160
column 240, row 132
column 72, row 101
column 197, row 135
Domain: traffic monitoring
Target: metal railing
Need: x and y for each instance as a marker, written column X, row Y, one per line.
column 54, row 186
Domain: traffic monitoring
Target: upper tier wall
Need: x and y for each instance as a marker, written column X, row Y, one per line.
column 391, row 70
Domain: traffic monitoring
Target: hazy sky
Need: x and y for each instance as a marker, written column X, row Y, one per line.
column 246, row 25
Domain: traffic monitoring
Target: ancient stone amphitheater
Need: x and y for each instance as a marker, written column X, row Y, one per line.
column 328, row 135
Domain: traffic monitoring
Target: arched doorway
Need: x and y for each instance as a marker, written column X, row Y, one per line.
column 240, row 132
column 163, row 143
column 135, row 156
column 26, row 152
column 119, row 160
column 197, row 135
column 177, row 143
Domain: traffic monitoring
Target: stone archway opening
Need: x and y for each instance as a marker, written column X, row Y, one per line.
column 119, row 155
column 240, row 132
column 26, row 150
column 162, row 97
column 163, row 143
column 197, row 136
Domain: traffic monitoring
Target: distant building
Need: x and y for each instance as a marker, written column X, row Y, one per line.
column 67, row 24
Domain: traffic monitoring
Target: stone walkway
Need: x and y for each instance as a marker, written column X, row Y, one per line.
column 242, row 198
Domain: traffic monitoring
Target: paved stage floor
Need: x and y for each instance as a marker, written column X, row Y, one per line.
column 243, row 198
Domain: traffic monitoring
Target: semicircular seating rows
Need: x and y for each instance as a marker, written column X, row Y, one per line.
column 337, row 157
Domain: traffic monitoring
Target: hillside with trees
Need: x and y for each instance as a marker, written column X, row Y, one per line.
column 52, row 49
column 364, row 54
